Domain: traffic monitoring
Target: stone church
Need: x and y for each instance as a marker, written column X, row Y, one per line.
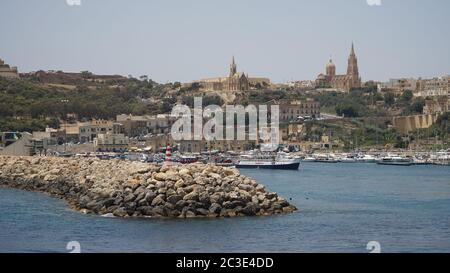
column 235, row 81
column 341, row 82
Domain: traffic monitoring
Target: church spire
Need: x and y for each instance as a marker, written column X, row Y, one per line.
column 352, row 69
column 233, row 68
column 352, row 53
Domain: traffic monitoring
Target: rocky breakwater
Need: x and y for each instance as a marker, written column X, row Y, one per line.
column 134, row 189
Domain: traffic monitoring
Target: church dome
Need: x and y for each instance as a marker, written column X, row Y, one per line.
column 330, row 64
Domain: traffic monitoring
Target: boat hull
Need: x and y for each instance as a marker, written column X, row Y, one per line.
column 288, row 166
column 406, row 164
column 327, row 161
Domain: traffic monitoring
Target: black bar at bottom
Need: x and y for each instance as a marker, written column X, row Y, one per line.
column 220, row 262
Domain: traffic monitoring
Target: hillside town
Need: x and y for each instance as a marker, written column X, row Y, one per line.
column 333, row 113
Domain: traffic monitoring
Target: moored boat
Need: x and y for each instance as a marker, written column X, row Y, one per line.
column 326, row 159
column 187, row 159
column 396, row 161
column 366, row 159
column 309, row 159
column 347, row 158
column 268, row 162
column 421, row 161
column 441, row 158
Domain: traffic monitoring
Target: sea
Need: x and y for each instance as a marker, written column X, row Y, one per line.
column 344, row 208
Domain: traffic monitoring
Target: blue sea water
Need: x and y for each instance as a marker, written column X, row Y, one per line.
column 341, row 208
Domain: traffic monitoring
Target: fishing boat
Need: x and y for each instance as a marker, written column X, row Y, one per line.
column 268, row 162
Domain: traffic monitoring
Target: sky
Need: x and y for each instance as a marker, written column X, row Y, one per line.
column 185, row 40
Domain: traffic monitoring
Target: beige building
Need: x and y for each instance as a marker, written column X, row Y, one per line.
column 49, row 137
column 90, row 130
column 70, row 131
column 399, row 86
column 111, row 142
column 291, row 111
column 142, row 125
column 341, row 82
column 235, row 81
column 433, row 87
column 8, row 72
column 87, row 131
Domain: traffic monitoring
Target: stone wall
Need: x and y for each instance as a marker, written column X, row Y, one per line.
column 410, row 123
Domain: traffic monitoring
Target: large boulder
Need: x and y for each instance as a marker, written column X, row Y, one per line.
column 173, row 199
column 191, row 196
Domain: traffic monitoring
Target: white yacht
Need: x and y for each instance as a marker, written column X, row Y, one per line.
column 327, row 158
column 268, row 162
column 364, row 158
column 347, row 158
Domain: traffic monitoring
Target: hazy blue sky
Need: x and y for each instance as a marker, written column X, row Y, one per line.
column 184, row 40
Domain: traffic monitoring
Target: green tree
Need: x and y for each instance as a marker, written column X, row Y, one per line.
column 407, row 96
column 347, row 110
column 417, row 106
column 389, row 99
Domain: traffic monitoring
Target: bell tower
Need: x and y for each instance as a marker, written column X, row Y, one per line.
column 352, row 69
column 331, row 69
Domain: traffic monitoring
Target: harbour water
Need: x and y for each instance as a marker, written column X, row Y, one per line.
column 342, row 208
